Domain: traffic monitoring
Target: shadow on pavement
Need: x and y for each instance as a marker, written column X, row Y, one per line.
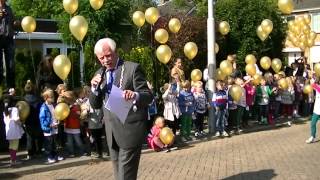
column 266, row 174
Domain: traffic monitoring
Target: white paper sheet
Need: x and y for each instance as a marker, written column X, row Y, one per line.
column 117, row 104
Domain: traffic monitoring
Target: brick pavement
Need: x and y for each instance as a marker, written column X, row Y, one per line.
column 274, row 154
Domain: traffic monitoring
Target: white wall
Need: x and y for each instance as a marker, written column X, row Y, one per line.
column 315, row 54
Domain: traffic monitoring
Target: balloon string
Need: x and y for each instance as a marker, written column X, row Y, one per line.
column 81, row 64
column 33, row 65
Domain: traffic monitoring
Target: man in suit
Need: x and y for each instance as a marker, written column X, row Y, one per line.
column 124, row 140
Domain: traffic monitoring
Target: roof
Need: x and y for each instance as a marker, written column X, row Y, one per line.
column 306, row 5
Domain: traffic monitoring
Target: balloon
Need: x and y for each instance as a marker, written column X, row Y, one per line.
column 307, row 89
column 310, row 43
column 251, row 69
column 256, row 79
column 216, row 48
column 276, row 64
column 316, row 69
column 24, row 110
column 220, row 75
column 224, row 27
column 313, row 35
column 190, row 50
column 291, row 24
column 306, row 29
column 250, row 59
column 161, row 35
column 138, row 18
column 265, row 62
column 164, row 54
column 61, row 111
column 286, row 6
column 236, row 92
column 226, row 67
column 152, row 15
column 267, row 26
column 78, row 26
column 70, row 6
column 166, row 136
column 174, row 25
column 196, row 75
column 300, row 20
column 28, row 24
column 307, row 18
column 261, row 34
column 62, row 66
column 283, row 83
column 96, row 4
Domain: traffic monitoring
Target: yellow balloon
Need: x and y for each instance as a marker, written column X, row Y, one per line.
column 24, row 110
column 256, row 79
column 251, row 69
column 316, row 69
column 250, row 59
column 220, row 75
column 236, row 92
column 307, row 89
column 216, row 48
column 96, row 4
column 265, row 62
column 78, row 26
column 310, row 43
column 283, row 83
column 307, row 18
column 196, row 75
column 166, row 136
column 62, row 66
column 276, row 65
column 261, row 34
column 224, row 27
column 163, row 54
column 226, row 67
column 306, row 29
column 61, row 111
column 161, row 35
column 291, row 24
column 313, row 35
column 286, row 6
column 174, row 25
column 267, row 26
column 138, row 18
column 152, row 15
column 190, row 50
column 70, row 6
column 297, row 30
column 28, row 24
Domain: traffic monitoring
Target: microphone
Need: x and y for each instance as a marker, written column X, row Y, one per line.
column 103, row 69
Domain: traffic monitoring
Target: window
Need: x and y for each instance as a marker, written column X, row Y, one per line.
column 315, row 26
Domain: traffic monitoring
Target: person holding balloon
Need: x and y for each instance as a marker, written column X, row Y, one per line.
column 287, row 97
column 153, row 139
column 316, row 112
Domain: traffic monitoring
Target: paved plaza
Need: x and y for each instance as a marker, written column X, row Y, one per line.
column 279, row 153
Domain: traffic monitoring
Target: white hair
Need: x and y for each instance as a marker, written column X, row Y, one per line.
column 100, row 45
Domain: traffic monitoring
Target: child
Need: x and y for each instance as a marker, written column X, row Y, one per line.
column 308, row 101
column 231, row 106
column 241, row 105
column 153, row 138
column 186, row 104
column 13, row 128
column 316, row 112
column 200, row 109
column 287, row 98
column 61, row 88
column 49, row 126
column 219, row 102
column 250, row 95
column 298, row 92
column 263, row 99
column 171, row 111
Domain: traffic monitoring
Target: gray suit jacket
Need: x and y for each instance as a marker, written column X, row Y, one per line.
column 131, row 133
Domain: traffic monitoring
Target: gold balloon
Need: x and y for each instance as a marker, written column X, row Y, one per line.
column 216, row 48
column 300, row 21
column 316, row 69
column 190, row 50
column 283, row 83
column 306, row 29
column 224, row 27
column 310, row 43
column 220, row 75
column 196, row 75
column 138, row 18
column 297, row 30
column 307, row 89
column 291, row 24
column 152, row 15
column 24, row 110
column 236, row 92
column 250, row 59
column 261, row 34
column 62, row 66
column 166, row 136
column 61, row 111
column 286, row 6
column 276, row 65
column 28, row 24
column 267, row 26
column 256, row 79
column 251, row 69
column 78, row 26
column 307, row 18
column 265, row 62
column 313, row 35
column 226, row 67
column 70, row 6
column 174, row 25
column 164, row 54
column 96, row 4
column 161, row 35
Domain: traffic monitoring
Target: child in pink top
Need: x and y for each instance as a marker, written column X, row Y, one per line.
column 153, row 138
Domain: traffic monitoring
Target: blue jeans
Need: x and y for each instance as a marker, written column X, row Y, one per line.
column 74, row 138
column 7, row 45
column 220, row 119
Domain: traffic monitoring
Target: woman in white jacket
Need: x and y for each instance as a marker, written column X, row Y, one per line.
column 171, row 111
